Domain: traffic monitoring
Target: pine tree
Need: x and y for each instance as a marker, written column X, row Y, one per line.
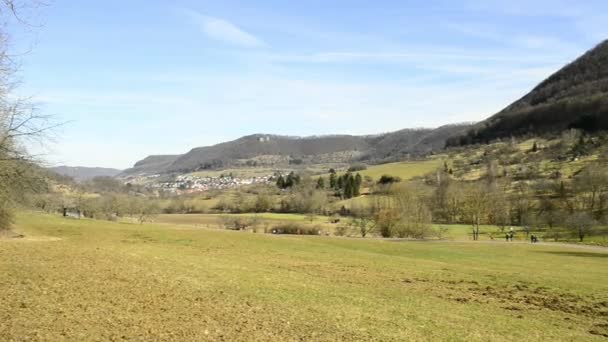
column 281, row 182
column 332, row 180
column 348, row 188
column 320, row 183
column 357, row 188
column 290, row 180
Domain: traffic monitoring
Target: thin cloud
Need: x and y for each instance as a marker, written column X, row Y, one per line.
column 223, row 30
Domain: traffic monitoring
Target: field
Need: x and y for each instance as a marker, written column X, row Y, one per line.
column 404, row 170
column 264, row 219
column 93, row 280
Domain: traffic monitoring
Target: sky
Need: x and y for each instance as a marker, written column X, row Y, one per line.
column 133, row 78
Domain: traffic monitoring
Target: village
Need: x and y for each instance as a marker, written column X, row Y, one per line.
column 187, row 184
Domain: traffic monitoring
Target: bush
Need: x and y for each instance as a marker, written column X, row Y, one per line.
column 357, row 167
column 388, row 179
column 295, row 229
column 341, row 230
column 239, row 223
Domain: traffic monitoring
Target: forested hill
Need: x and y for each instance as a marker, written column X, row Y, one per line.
column 574, row 97
column 81, row 174
column 276, row 150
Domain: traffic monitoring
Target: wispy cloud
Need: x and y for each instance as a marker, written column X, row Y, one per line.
column 223, row 30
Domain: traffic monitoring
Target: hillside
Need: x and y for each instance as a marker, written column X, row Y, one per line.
column 574, row 97
column 151, row 165
column 411, row 142
column 264, row 150
column 81, row 174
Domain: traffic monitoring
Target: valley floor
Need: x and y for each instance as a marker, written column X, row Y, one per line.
column 93, row 280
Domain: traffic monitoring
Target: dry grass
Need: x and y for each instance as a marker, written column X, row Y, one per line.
column 109, row 281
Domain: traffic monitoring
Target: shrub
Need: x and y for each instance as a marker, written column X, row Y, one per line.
column 388, row 179
column 357, row 167
column 295, row 229
column 341, row 230
column 239, row 223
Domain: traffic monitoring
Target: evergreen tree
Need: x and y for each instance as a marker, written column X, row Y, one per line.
column 320, row 183
column 281, row 182
column 348, row 187
column 357, row 188
column 333, row 182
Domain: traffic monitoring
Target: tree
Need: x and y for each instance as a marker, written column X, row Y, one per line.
column 414, row 216
column 388, row 179
column 581, row 224
column 305, row 198
column 522, row 200
column 280, row 182
column 321, row 183
column 476, row 205
column 358, row 182
column 550, row 215
column 144, row 210
column 332, row 178
column 590, row 190
column 263, row 203
column 499, row 207
column 362, row 220
column 20, row 124
column 291, row 180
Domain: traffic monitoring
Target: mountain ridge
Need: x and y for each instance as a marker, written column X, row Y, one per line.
column 82, row 173
column 273, row 149
column 576, row 96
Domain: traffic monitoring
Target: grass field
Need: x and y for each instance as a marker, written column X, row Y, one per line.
column 454, row 232
column 405, row 170
column 264, row 219
column 92, row 280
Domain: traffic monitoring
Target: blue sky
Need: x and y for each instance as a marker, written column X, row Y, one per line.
column 133, row 78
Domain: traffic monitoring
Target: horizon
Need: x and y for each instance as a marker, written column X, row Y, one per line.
column 150, row 78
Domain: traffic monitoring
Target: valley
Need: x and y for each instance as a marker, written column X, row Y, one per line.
column 303, row 171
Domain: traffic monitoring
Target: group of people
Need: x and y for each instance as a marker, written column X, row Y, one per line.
column 509, row 237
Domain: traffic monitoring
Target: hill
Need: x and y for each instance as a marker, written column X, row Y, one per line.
column 266, row 150
column 151, row 165
column 574, row 97
column 82, row 174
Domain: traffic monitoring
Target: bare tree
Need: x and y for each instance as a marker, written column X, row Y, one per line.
column 590, row 189
column 362, row 220
column 581, row 224
column 476, row 206
column 19, row 125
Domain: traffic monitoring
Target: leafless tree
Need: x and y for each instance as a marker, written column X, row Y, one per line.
column 581, row 224
column 20, row 124
column 476, row 206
